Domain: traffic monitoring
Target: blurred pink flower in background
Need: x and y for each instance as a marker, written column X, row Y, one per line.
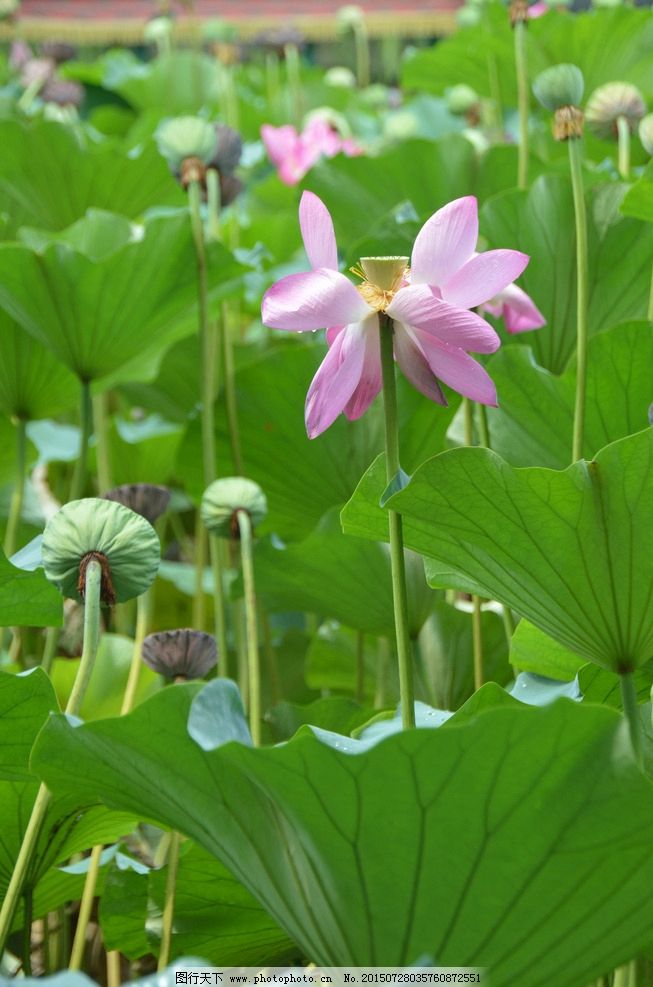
column 294, row 154
column 428, row 304
column 519, row 311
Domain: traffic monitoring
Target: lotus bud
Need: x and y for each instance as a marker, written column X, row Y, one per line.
column 340, row 77
column 608, row 103
column 146, row 499
column 224, row 498
column 461, row 99
column 646, row 133
column 560, row 89
column 187, row 144
column 158, row 30
column 125, row 545
column 468, row 16
column 182, row 654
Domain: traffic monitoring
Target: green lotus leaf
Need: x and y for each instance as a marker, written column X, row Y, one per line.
column 128, row 542
column 224, row 497
column 33, row 383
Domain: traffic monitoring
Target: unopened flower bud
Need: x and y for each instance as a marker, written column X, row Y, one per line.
column 184, row 654
column 610, row 102
column 125, row 545
column 146, row 499
column 340, row 77
column 224, row 498
column 646, row 133
column 186, row 139
column 462, row 99
column 350, row 16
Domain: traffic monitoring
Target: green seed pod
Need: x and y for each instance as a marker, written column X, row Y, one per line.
column 186, row 137
column 461, row 99
column 158, row 29
column 561, row 85
column 124, row 543
column 608, row 103
column 224, row 498
column 646, row 133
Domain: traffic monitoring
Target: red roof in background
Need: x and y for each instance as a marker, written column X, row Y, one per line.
column 121, row 20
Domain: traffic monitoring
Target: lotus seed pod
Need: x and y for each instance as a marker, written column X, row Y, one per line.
column 224, row 498
column 186, row 137
column 561, row 85
column 228, row 150
column 146, row 499
column 462, row 99
column 468, row 16
column 124, row 543
column 184, row 654
column 608, row 103
column 646, row 133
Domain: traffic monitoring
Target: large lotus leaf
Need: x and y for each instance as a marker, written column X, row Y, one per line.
column 531, row 650
column 25, row 703
column 359, row 191
column 497, row 857
column 541, row 223
column 33, row 383
column 337, row 576
column 606, row 44
column 638, row 200
column 215, row 916
column 572, row 551
column 533, row 424
column 73, row 822
column 446, row 652
column 271, row 393
column 98, row 317
column 49, row 177
column 174, row 84
column 27, row 598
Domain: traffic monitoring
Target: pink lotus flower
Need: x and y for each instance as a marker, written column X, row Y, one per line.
column 519, row 311
column 295, row 154
column 433, row 327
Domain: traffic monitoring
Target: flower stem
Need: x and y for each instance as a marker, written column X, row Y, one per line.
column 623, row 135
column 113, row 968
column 522, row 102
column 103, row 450
column 360, row 667
column 251, row 618
column 399, row 595
column 16, row 505
column 493, row 73
column 206, row 381
column 230, row 392
column 477, row 614
column 43, row 797
column 219, row 616
column 169, row 907
column 213, row 202
column 575, row 163
column 649, row 314
column 143, row 619
column 294, row 78
column 85, row 907
column 272, row 80
column 631, row 712
column 362, row 44
column 86, row 421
